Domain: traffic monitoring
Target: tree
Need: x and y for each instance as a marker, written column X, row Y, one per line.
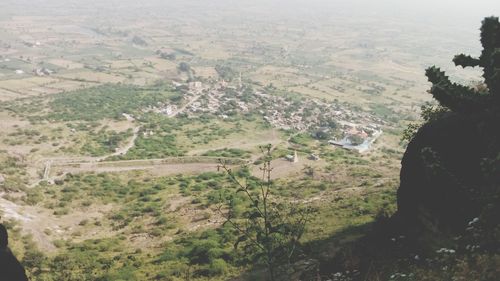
column 184, row 67
column 464, row 99
column 310, row 171
column 269, row 229
column 225, row 72
column 139, row 41
column 355, row 139
column 429, row 113
column 322, row 135
column 456, row 98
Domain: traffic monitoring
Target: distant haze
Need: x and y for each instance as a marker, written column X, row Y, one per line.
column 448, row 12
column 458, row 9
column 455, row 22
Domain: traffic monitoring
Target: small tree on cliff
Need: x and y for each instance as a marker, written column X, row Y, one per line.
column 463, row 99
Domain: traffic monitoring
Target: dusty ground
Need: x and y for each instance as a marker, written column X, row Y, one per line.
column 282, row 168
column 45, row 226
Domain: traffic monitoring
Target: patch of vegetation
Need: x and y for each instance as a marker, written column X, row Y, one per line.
column 162, row 137
column 302, row 139
column 105, row 142
column 163, row 143
column 225, row 72
column 12, row 172
column 228, row 152
column 107, row 101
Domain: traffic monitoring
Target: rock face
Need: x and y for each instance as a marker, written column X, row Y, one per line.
column 449, row 172
column 10, row 268
column 451, row 169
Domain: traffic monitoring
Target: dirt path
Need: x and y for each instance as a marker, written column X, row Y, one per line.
column 180, row 110
column 155, row 169
column 282, row 168
column 126, row 148
column 50, row 162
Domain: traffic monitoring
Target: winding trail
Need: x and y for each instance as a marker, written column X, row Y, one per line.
column 50, row 162
column 126, row 148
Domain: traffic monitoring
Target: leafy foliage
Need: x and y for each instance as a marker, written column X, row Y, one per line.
column 269, row 230
column 428, row 113
column 459, row 98
column 106, row 101
column 105, row 141
column 228, row 152
column 225, row 72
column 466, row 99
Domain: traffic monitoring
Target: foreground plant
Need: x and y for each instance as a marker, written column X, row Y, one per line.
column 270, row 229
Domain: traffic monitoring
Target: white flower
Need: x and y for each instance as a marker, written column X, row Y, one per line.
column 473, row 221
column 444, row 250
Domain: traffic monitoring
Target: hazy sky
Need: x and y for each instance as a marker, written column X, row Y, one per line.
column 459, row 18
column 464, row 11
column 434, row 7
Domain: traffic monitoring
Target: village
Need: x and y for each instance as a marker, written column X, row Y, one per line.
column 338, row 124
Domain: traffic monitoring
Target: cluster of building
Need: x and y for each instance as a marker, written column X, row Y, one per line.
column 42, row 71
column 357, row 137
column 355, row 129
column 220, row 99
column 165, row 109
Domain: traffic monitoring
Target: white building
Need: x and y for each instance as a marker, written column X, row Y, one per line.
column 195, row 86
column 293, row 158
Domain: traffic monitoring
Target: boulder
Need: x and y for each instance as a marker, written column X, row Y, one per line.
column 449, row 171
